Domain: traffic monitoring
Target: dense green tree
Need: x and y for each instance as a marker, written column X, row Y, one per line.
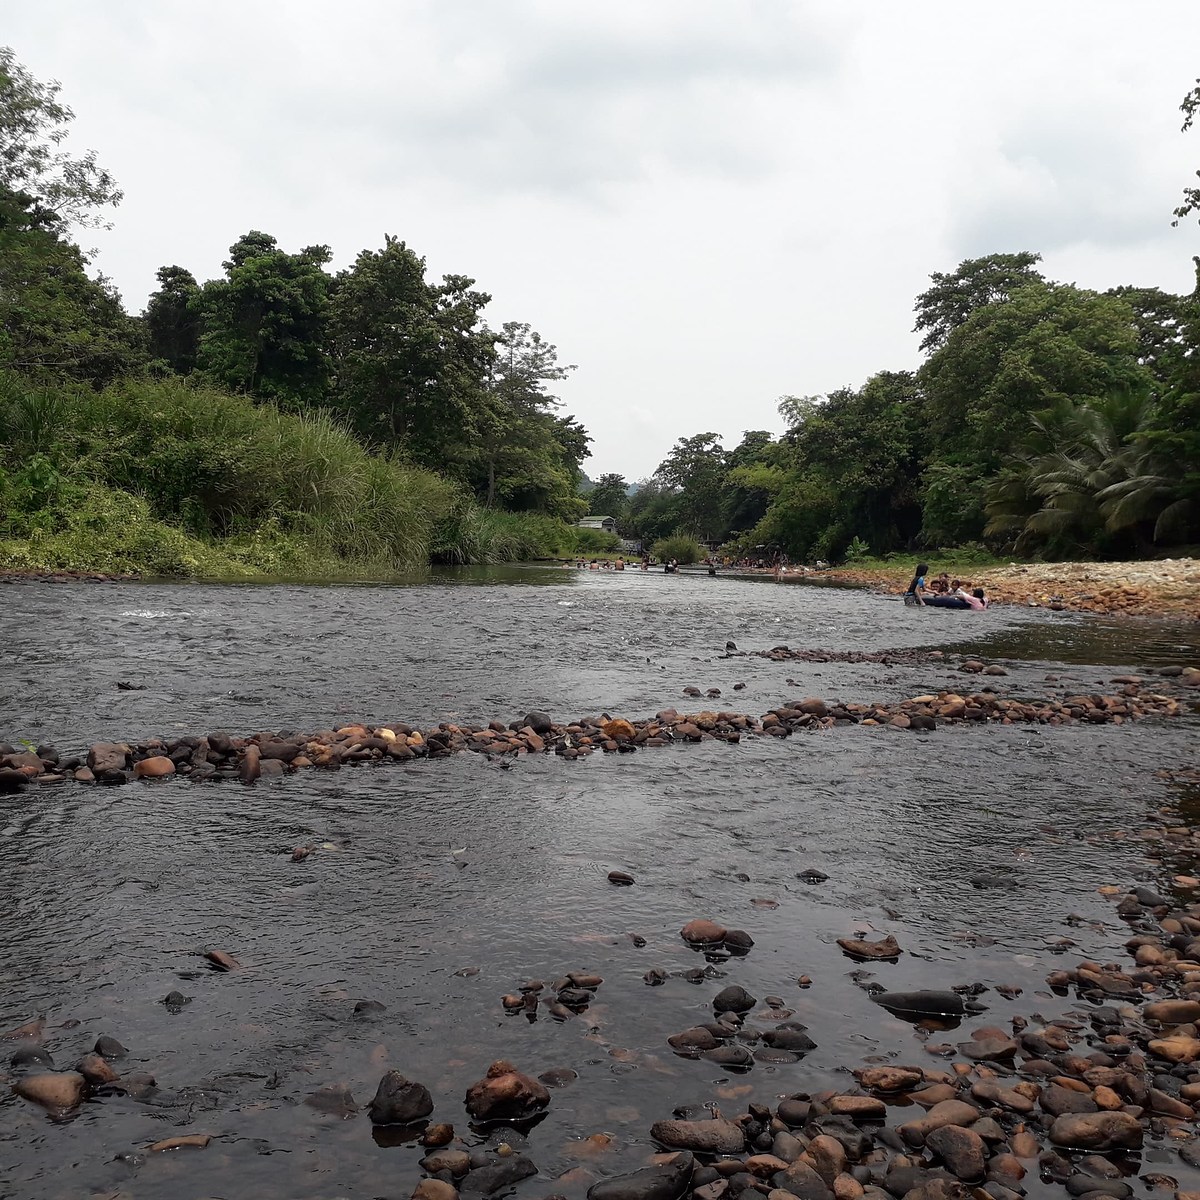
column 851, row 470
column 412, row 359
column 696, row 468
column 753, row 472
column 1085, row 479
column 977, row 282
column 264, row 324
column 609, row 497
column 1011, row 359
column 55, row 320
column 655, row 511
column 173, row 321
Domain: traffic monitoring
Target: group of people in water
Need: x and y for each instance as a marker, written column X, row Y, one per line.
column 943, row 592
column 605, row 564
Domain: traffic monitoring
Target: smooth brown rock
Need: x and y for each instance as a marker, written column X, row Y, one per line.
column 991, row 1092
column 948, row 1112
column 890, row 1079
column 221, row 960
column 154, row 768
column 886, row 947
column 702, row 932
column 828, row 1157
column 505, row 1094
column 95, row 1069
column 962, row 1150
column 1172, row 1012
column 58, row 1091
column 1176, row 1049
column 859, row 1108
column 183, row 1141
column 434, row 1189
column 703, row 1137
column 107, row 756
column 1097, row 1131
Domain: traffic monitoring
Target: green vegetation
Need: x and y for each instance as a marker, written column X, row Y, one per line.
column 1046, row 421
column 277, row 420
column 680, row 547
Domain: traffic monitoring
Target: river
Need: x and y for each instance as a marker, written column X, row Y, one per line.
column 439, row 886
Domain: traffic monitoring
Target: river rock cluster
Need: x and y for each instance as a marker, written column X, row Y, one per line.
column 217, row 756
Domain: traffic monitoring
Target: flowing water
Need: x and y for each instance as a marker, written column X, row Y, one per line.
column 441, row 885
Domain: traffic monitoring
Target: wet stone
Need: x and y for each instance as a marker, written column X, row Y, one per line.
column 399, row 1101
column 668, row 1180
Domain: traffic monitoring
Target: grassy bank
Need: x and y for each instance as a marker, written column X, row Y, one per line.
column 162, row 478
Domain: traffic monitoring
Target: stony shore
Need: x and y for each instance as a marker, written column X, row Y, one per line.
column 1086, row 1101
column 216, row 756
column 1166, row 588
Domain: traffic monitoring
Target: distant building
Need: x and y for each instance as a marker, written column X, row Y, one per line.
column 608, row 524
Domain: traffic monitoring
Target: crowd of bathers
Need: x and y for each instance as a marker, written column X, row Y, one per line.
column 943, row 592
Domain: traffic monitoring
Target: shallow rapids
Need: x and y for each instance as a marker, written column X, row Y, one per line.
column 440, row 886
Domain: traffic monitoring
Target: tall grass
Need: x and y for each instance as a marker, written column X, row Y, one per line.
column 273, row 490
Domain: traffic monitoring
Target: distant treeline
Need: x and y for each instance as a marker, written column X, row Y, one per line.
column 1046, row 420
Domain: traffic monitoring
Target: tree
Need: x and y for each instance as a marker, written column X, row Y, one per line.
column 264, row 324
column 753, row 476
column 977, row 282
column 530, row 457
column 172, row 320
column 33, row 125
column 1191, row 195
column 696, row 469
column 1084, row 480
column 412, row 360
column 54, row 319
column 1011, row 359
column 850, row 470
column 610, row 496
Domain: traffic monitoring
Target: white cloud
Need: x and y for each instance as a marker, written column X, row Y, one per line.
column 704, row 205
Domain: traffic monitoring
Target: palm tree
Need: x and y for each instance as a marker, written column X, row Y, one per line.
column 1086, row 473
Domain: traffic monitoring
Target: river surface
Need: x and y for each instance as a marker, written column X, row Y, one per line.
column 441, row 885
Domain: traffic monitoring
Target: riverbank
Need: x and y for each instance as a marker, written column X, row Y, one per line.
column 1166, row 588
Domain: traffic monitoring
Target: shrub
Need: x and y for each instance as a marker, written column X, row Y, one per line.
column 679, row 546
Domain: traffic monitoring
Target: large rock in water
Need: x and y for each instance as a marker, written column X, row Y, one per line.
column 505, row 1094
column 664, row 1181
column 107, row 756
column 924, row 1004
column 399, row 1101
column 704, row 1137
column 1097, row 1131
column 58, row 1091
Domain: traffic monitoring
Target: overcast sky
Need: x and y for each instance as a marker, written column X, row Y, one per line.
column 705, row 204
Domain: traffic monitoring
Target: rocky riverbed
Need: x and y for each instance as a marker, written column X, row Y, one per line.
column 811, row 950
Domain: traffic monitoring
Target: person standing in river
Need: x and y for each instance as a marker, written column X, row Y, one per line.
column 916, row 589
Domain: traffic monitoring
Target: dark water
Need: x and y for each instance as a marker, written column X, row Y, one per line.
column 108, row 897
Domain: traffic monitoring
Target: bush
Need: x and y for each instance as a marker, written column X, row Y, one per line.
column 857, row 550
column 680, row 547
column 593, row 541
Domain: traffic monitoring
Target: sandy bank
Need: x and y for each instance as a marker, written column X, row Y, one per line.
column 1170, row 587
